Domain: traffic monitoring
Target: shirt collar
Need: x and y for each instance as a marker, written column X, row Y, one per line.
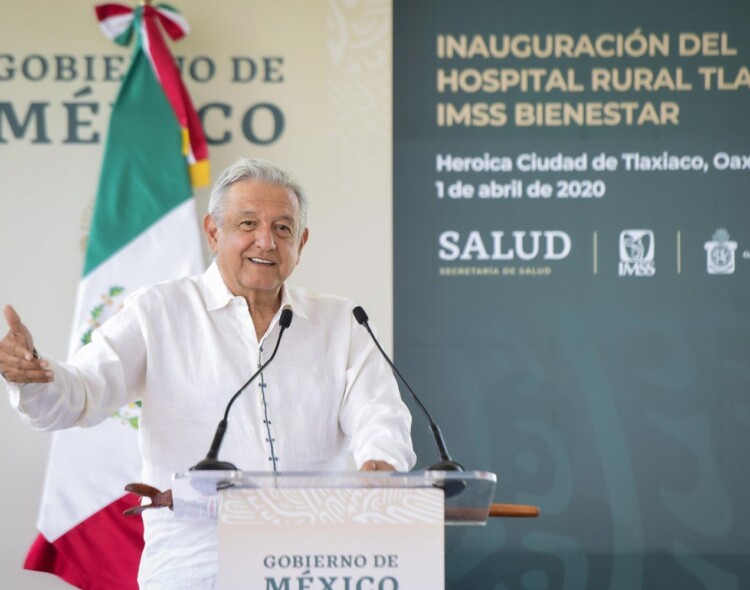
column 288, row 300
column 218, row 295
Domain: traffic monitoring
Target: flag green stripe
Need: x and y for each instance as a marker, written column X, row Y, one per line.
column 144, row 174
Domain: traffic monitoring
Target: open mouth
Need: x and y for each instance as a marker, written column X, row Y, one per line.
column 262, row 261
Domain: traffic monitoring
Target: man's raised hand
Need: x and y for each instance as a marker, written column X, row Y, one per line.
column 18, row 361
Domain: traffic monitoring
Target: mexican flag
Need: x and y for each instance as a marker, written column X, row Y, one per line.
column 144, row 230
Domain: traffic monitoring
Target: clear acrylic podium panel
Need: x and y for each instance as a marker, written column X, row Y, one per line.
column 468, row 494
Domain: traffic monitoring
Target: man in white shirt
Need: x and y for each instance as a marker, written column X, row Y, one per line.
column 185, row 346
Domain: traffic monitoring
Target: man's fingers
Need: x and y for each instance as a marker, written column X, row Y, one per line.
column 15, row 361
column 18, row 331
column 373, row 465
column 16, row 348
column 14, row 321
column 38, row 377
column 18, row 369
column 28, row 375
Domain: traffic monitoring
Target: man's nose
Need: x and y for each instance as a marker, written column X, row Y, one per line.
column 264, row 238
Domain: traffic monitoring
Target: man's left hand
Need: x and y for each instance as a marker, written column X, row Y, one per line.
column 373, row 465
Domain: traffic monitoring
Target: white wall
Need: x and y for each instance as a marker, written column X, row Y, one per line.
column 336, row 99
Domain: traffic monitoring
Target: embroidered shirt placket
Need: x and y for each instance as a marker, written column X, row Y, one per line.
column 262, row 385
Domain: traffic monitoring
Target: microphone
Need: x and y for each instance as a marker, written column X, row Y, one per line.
column 211, row 462
column 445, row 463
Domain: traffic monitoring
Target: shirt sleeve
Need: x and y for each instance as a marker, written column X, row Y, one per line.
column 373, row 415
column 103, row 376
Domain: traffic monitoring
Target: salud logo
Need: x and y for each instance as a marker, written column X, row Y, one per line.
column 720, row 253
column 637, row 253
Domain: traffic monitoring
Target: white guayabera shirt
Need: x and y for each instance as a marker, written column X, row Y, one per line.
column 183, row 348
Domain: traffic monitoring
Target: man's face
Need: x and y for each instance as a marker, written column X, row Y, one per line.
column 259, row 242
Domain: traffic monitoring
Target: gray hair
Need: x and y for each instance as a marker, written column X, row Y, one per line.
column 255, row 169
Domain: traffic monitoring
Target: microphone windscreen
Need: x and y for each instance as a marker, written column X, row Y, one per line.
column 360, row 315
column 285, row 320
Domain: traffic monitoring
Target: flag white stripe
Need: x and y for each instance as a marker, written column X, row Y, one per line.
column 87, row 470
column 114, row 26
column 89, row 467
column 175, row 237
column 176, row 18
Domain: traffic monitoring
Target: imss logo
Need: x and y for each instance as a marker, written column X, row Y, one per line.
column 637, row 253
column 720, row 253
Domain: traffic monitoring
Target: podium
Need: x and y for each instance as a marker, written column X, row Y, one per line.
column 348, row 530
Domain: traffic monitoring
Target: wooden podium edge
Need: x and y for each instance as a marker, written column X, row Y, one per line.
column 513, row 511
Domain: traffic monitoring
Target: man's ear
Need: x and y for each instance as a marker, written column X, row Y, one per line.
column 302, row 242
column 210, row 228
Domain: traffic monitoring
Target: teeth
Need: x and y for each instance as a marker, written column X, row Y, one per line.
column 261, row 261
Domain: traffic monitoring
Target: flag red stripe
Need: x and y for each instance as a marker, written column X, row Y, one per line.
column 101, row 553
column 174, row 89
column 104, row 11
column 166, row 69
column 172, row 29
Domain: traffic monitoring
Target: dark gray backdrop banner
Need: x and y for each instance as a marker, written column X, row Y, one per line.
column 572, row 273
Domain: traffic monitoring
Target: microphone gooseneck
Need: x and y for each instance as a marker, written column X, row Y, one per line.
column 211, row 462
column 445, row 463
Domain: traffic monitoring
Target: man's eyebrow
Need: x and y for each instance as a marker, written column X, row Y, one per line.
column 250, row 213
